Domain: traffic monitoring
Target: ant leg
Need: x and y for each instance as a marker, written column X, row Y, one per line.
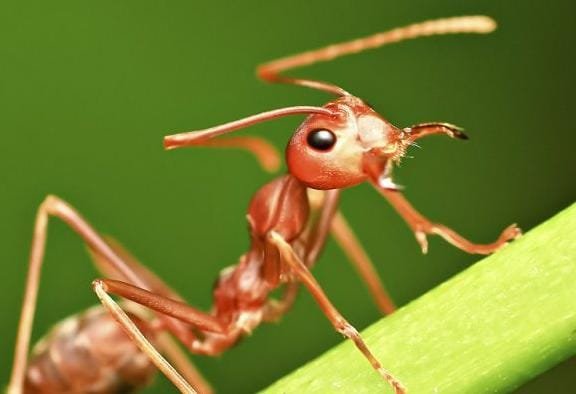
column 264, row 151
column 293, row 261
column 323, row 206
column 309, row 245
column 326, row 203
column 53, row 206
column 136, row 335
column 266, row 154
column 362, row 262
column 422, row 226
column 332, row 219
column 16, row 383
column 180, row 360
column 164, row 305
column 154, row 282
column 275, row 309
column 217, row 334
column 172, row 351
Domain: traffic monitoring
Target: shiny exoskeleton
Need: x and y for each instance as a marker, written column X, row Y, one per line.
column 76, row 357
column 340, row 144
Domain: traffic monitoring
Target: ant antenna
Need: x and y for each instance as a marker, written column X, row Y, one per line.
column 199, row 137
column 271, row 72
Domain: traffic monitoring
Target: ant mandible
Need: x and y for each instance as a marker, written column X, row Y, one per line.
column 341, row 144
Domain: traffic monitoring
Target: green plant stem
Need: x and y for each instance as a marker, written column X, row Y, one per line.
column 489, row 329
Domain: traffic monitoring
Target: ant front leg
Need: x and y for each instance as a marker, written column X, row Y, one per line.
column 422, row 227
column 265, row 152
column 297, row 267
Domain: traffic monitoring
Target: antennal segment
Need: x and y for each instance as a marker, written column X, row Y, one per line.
column 265, row 152
column 201, row 136
column 271, row 71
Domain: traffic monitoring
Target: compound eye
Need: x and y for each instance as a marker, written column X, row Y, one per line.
column 321, row 139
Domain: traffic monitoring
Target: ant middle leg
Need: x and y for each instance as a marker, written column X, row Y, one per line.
column 141, row 341
column 215, row 335
column 348, row 241
column 332, row 220
column 166, row 342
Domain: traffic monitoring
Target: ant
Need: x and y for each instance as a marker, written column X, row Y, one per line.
column 341, row 144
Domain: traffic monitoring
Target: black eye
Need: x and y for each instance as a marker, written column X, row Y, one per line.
column 321, row 139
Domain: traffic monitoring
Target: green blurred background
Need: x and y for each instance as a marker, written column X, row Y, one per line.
column 88, row 89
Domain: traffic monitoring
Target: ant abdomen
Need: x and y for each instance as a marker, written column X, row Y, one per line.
column 88, row 353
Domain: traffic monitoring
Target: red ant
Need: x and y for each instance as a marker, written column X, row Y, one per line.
column 340, row 144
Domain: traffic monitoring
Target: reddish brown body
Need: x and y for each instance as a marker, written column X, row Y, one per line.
column 242, row 291
column 76, row 357
column 341, row 144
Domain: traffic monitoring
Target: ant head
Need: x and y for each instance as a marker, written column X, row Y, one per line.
column 345, row 148
column 345, row 142
column 340, row 144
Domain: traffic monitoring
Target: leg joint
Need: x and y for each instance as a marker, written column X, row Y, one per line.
column 52, row 204
column 346, row 329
